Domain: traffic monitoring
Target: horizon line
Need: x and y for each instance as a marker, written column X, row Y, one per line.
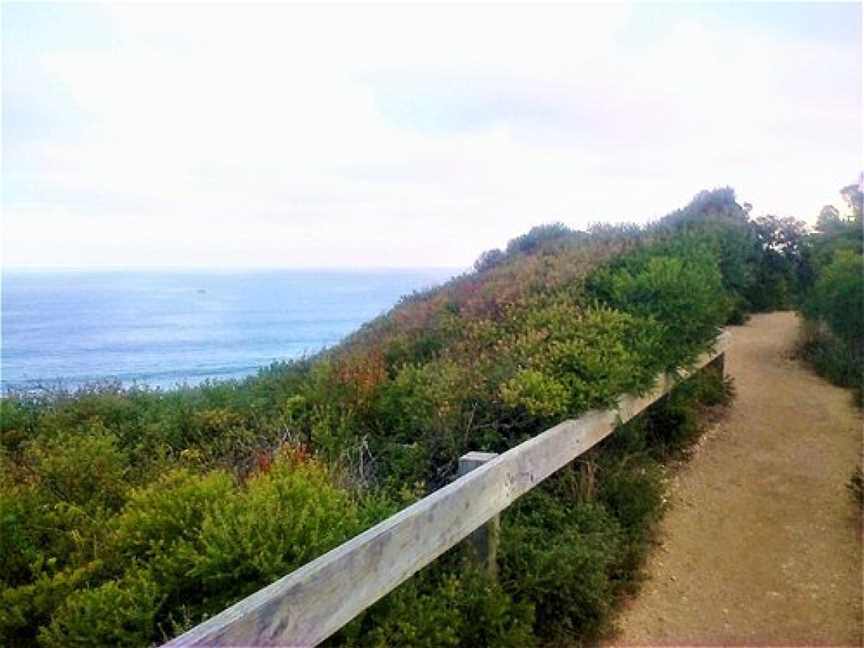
column 226, row 269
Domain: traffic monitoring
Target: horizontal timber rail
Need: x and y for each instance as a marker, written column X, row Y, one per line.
column 313, row 602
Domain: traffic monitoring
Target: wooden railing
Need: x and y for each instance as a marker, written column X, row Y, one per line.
column 313, row 602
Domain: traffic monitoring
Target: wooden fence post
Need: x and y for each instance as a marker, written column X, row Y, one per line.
column 482, row 544
column 719, row 364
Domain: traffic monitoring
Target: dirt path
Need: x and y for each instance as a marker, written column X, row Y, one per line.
column 762, row 545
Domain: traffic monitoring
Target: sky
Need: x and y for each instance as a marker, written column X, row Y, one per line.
column 347, row 136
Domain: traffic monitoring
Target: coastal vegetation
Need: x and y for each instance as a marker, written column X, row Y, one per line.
column 833, row 294
column 130, row 515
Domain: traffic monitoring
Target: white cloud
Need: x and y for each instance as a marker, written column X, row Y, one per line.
column 341, row 136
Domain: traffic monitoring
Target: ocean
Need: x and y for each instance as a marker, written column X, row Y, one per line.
column 162, row 329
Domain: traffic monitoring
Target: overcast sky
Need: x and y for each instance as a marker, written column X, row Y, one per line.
column 347, row 136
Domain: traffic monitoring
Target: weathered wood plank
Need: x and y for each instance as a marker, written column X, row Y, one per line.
column 482, row 544
column 310, row 604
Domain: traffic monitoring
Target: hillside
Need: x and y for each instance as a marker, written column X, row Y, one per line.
column 130, row 515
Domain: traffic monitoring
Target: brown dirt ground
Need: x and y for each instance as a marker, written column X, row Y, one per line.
column 762, row 544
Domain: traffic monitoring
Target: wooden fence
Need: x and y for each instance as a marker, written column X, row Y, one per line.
column 313, row 602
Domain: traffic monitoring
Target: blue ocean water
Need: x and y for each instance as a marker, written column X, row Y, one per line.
column 166, row 328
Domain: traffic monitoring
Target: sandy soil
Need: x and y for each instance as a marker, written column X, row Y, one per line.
column 762, row 545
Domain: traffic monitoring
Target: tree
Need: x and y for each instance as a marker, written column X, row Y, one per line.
column 538, row 237
column 855, row 199
column 489, row 259
column 838, row 298
column 829, row 219
column 782, row 235
column 835, row 234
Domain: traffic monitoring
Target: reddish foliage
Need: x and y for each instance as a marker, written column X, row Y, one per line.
column 360, row 374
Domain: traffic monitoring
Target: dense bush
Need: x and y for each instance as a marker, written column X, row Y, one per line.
column 570, row 359
column 837, row 298
column 444, row 607
column 116, row 613
column 181, row 548
column 561, row 555
column 761, row 259
column 683, row 294
column 832, row 338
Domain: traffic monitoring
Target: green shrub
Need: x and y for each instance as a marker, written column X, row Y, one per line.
column 25, row 609
column 673, row 423
column 424, row 396
column 116, row 613
column 541, row 395
column 103, row 405
column 223, row 436
column 572, row 359
column 202, row 541
column 85, row 468
column 837, row 298
column 208, row 542
column 18, row 548
column 710, row 387
column 18, row 423
column 832, row 271
column 632, row 490
column 684, row 294
column 169, row 511
column 41, row 538
column 55, row 501
column 561, row 557
column 832, row 357
column 436, row 608
column 280, row 520
column 161, row 526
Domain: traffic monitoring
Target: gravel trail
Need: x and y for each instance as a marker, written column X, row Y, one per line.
column 762, row 545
